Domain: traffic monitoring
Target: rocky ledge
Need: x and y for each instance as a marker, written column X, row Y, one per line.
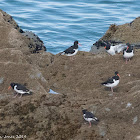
column 45, row 116
column 126, row 33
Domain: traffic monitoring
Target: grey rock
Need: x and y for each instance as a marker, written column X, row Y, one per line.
column 1, row 80
column 102, row 130
column 135, row 119
column 96, row 50
column 107, row 109
column 36, row 44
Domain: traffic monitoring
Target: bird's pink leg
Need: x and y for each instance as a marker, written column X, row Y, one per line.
column 126, row 61
column 111, row 89
column 72, row 58
column 89, row 124
column 15, row 95
column 20, row 96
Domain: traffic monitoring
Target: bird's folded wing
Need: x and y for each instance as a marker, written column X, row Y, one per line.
column 69, row 50
column 110, row 80
column 121, row 47
column 89, row 115
column 21, row 87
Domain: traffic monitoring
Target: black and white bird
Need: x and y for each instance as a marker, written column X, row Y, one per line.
column 88, row 116
column 128, row 52
column 113, row 49
column 112, row 82
column 71, row 50
column 110, row 49
column 19, row 89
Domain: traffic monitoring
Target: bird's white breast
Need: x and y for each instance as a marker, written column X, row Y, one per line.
column 116, row 82
column 76, row 50
column 88, row 119
column 19, row 91
column 111, row 50
column 128, row 55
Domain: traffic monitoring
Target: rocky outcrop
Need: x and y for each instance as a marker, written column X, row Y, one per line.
column 42, row 115
column 35, row 44
column 126, row 33
column 8, row 19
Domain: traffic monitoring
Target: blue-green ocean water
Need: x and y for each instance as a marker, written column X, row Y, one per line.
column 60, row 22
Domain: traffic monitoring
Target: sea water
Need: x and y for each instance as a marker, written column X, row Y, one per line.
column 59, row 23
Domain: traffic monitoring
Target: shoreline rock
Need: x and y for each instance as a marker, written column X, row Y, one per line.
column 126, row 33
column 35, row 44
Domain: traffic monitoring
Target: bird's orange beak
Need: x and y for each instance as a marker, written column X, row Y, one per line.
column 79, row 44
column 105, row 47
column 118, row 75
column 9, row 87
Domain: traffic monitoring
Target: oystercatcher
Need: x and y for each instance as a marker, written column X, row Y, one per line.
column 110, row 49
column 71, row 50
column 112, row 82
column 120, row 47
column 19, row 89
column 115, row 48
column 88, row 116
column 128, row 53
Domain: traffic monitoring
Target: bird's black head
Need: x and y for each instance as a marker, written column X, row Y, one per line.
column 128, row 44
column 84, row 111
column 12, row 85
column 107, row 47
column 76, row 42
column 116, row 73
column 129, row 47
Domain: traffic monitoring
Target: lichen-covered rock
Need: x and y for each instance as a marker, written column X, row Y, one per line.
column 35, row 43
